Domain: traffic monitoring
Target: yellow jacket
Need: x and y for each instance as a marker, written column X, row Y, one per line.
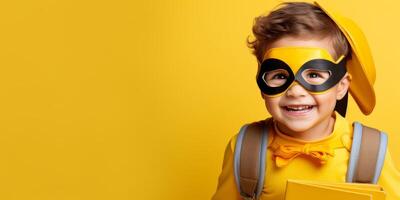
column 334, row 170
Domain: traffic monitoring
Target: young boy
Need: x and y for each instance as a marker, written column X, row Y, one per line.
column 307, row 63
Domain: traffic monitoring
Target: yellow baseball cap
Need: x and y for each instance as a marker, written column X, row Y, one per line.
column 361, row 65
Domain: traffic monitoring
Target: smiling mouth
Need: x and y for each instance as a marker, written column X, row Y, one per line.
column 298, row 108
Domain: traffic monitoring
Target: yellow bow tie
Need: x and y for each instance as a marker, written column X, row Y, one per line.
column 285, row 153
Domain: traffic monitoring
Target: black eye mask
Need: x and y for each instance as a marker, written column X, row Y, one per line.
column 337, row 72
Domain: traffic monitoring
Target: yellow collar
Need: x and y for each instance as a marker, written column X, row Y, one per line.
column 286, row 148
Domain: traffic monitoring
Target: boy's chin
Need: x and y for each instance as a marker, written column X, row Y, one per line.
column 299, row 126
column 299, row 129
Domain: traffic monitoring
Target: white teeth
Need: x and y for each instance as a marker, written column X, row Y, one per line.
column 298, row 108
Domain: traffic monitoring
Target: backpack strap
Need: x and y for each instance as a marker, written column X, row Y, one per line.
column 367, row 154
column 249, row 159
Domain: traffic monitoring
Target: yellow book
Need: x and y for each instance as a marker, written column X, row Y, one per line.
column 313, row 190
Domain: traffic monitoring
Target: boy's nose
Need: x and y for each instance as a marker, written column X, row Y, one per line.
column 296, row 90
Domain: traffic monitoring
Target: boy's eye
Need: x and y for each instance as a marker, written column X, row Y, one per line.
column 315, row 76
column 279, row 76
column 276, row 78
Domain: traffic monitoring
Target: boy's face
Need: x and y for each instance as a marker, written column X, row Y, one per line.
column 298, row 110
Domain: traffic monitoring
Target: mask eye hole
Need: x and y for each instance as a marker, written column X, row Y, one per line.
column 316, row 76
column 275, row 78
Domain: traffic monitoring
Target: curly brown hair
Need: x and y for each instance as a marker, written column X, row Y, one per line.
column 295, row 19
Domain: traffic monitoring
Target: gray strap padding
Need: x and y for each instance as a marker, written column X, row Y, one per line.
column 249, row 159
column 367, row 154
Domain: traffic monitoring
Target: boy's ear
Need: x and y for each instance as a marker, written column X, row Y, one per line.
column 262, row 96
column 343, row 86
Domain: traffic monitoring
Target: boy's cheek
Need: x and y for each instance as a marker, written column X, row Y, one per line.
column 272, row 104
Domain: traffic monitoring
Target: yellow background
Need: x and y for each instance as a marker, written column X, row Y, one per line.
column 138, row 99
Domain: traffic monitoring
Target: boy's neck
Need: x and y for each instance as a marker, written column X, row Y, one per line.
column 320, row 131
